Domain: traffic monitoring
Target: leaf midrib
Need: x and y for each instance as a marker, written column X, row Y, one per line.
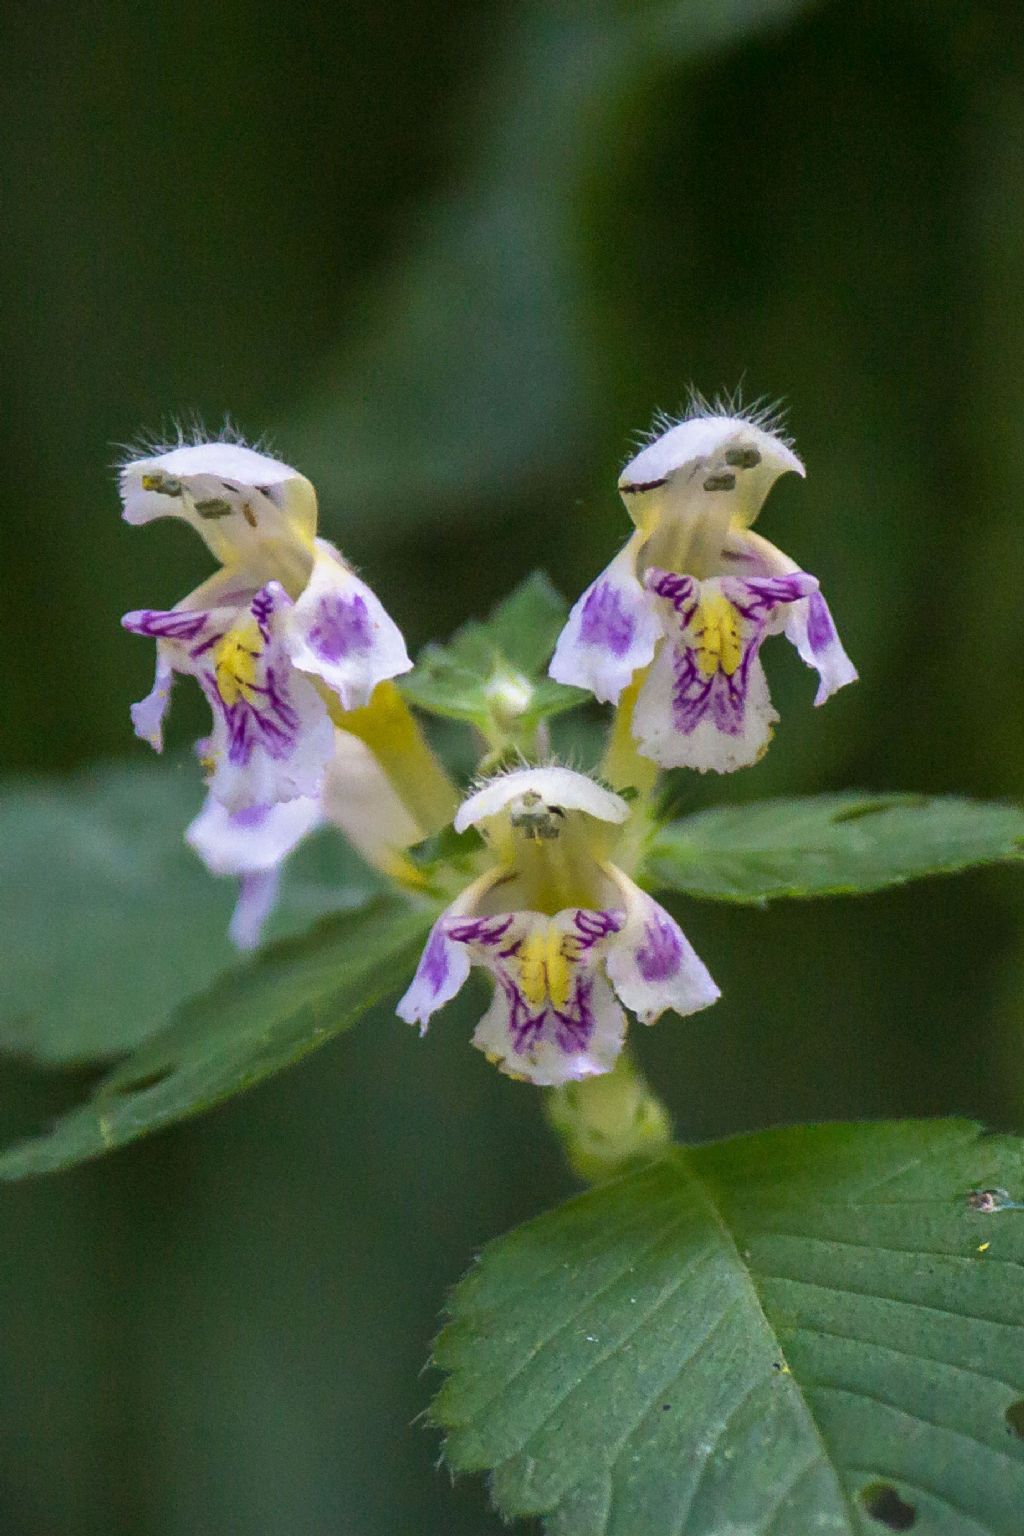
column 683, row 1158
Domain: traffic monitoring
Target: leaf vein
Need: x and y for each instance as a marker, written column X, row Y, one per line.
column 908, row 1354
column 609, row 1350
column 898, row 1301
column 918, row 1418
column 544, row 1343
column 914, row 1253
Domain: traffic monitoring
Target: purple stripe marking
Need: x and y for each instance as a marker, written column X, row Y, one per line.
column 605, row 621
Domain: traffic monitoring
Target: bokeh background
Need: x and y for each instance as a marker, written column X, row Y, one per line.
column 451, row 258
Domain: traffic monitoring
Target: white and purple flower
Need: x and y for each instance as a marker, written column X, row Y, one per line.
column 357, row 798
column 568, row 939
column 683, row 608
column 279, row 638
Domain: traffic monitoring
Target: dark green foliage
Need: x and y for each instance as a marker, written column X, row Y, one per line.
column 780, row 1333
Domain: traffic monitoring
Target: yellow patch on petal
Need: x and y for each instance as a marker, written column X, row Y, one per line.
column 546, row 958
column 235, row 661
column 716, row 628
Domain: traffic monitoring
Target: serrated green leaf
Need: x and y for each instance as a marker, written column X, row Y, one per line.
column 771, row 1335
column 292, row 997
column 462, row 680
column 830, row 845
column 109, row 919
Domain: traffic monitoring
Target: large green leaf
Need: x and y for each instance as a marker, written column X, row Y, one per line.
column 493, row 672
column 294, row 996
column 830, row 845
column 805, row 1332
column 109, row 919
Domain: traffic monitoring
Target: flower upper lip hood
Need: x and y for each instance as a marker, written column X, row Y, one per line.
column 552, row 786
column 705, row 439
column 707, row 464
column 236, row 497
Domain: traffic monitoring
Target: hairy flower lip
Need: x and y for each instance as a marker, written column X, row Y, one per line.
column 700, row 439
column 555, row 786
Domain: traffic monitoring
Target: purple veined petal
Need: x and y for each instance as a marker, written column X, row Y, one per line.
column 683, row 719
column 757, row 597
column 183, row 635
column 651, row 963
column 551, row 1048
column 704, row 702
column 808, row 623
column 272, row 743
column 272, row 737
column 441, row 973
column 610, row 633
column 553, row 1018
column 810, row 628
column 186, row 633
column 340, row 631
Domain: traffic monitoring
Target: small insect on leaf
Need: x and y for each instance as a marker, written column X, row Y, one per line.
column 990, row 1200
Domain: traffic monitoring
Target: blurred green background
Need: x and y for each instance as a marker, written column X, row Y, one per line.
column 450, row 259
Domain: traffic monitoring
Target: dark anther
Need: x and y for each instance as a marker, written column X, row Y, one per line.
column 742, row 458
column 720, row 482
column 884, row 1504
column 214, row 506
column 1015, row 1418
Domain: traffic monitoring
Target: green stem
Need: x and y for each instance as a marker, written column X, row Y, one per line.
column 609, row 1124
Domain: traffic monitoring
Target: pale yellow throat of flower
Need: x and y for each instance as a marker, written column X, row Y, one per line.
column 558, row 868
